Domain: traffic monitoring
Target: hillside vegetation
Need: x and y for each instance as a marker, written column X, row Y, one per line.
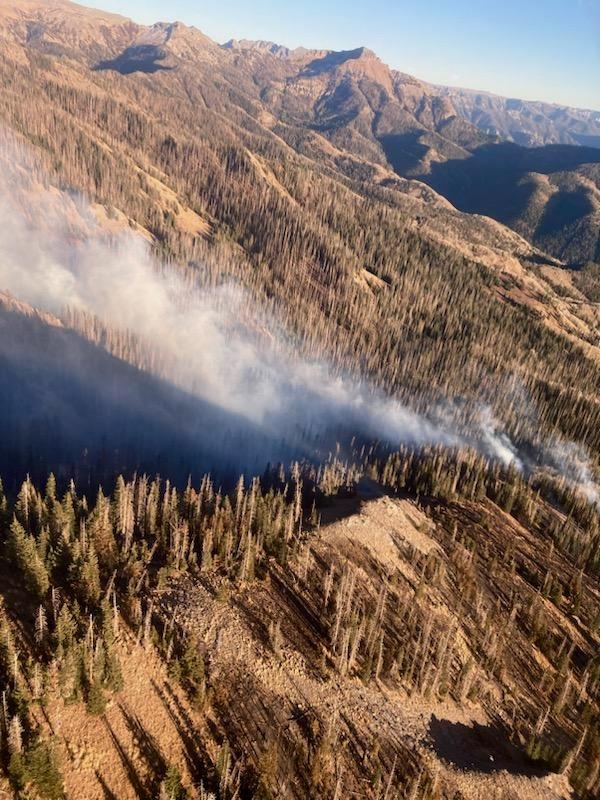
column 303, row 636
column 354, row 618
column 348, row 257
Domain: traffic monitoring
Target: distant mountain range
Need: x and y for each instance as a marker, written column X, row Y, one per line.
column 463, row 144
column 349, row 108
column 525, row 122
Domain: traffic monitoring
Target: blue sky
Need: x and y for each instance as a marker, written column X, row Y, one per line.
column 532, row 49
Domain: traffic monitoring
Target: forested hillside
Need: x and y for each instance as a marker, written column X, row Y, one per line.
column 191, row 156
column 436, row 641
column 299, row 462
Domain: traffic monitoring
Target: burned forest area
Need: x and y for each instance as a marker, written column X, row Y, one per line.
column 299, row 425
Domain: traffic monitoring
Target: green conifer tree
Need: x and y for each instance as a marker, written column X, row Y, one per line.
column 23, row 553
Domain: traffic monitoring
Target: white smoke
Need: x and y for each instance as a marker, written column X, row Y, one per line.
column 496, row 442
column 54, row 254
column 572, row 463
column 568, row 460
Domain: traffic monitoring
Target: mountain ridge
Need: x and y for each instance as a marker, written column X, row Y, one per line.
column 453, row 92
column 263, row 259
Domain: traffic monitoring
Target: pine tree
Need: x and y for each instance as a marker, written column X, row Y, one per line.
column 22, row 505
column 50, row 495
column 69, row 515
column 42, row 768
column 86, row 577
column 70, row 677
column 101, row 532
column 41, row 625
column 96, row 701
column 23, row 553
column 65, row 630
column 171, row 787
column 15, row 735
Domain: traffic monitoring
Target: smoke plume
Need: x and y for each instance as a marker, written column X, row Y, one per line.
column 55, row 254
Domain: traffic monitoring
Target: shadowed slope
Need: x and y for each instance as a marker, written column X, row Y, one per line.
column 70, row 407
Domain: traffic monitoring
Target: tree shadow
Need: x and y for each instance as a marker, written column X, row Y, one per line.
column 147, row 744
column 140, row 789
column 479, row 748
column 334, row 509
column 106, row 790
column 197, row 759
